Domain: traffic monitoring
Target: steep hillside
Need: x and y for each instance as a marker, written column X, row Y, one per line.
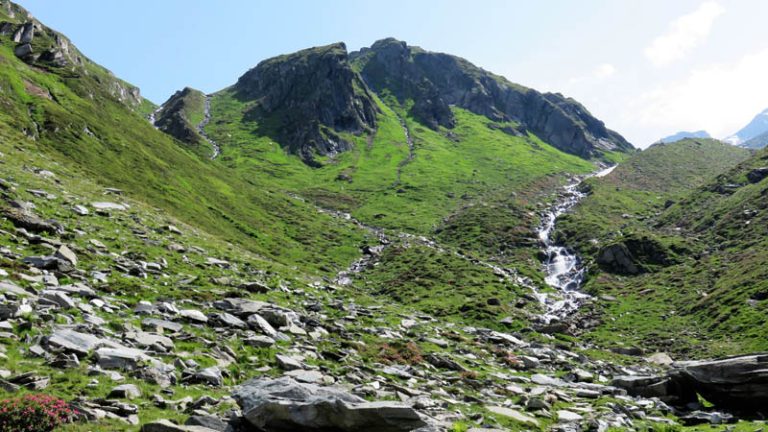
column 72, row 113
column 652, row 275
column 278, row 200
column 380, row 160
column 645, row 184
column 44, row 48
column 727, row 217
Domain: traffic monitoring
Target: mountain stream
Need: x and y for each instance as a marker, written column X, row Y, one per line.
column 564, row 269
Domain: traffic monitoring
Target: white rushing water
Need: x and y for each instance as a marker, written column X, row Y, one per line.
column 153, row 116
column 564, row 269
column 204, row 123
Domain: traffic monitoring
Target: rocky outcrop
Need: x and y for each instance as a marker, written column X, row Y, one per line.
column 39, row 45
column 286, row 405
column 173, row 117
column 737, row 383
column 27, row 219
column 757, row 174
column 306, row 99
column 435, row 81
column 633, row 255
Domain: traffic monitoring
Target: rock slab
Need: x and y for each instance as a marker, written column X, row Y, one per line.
column 283, row 405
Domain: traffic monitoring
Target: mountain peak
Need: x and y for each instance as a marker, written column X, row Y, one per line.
column 311, row 97
column 388, row 42
column 179, row 115
column 754, row 128
column 685, row 134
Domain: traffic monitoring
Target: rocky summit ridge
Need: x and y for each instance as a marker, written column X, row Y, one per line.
column 437, row 81
column 307, row 101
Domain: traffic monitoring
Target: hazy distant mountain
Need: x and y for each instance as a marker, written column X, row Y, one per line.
column 757, row 126
column 757, row 142
column 685, row 134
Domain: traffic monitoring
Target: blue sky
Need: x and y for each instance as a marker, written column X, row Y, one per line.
column 647, row 68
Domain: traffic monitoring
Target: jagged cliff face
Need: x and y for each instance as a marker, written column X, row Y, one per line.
column 307, row 99
column 41, row 46
column 435, row 81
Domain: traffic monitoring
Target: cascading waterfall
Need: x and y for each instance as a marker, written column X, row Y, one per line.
column 563, row 268
column 201, row 128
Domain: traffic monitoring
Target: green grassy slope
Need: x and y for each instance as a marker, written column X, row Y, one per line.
column 266, row 200
column 448, row 167
column 51, row 111
column 260, row 196
column 697, row 303
column 433, row 191
column 727, row 217
column 643, row 184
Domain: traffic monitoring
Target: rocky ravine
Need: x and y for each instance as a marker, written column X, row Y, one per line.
column 147, row 319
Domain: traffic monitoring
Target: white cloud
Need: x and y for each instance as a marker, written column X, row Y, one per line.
column 599, row 73
column 684, row 34
column 603, row 71
column 720, row 98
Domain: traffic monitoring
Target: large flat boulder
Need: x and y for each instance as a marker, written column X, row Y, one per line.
column 25, row 218
column 283, row 405
column 74, row 341
column 739, row 382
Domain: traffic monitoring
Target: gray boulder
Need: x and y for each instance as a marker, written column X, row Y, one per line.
column 23, row 50
column 26, row 33
column 228, row 320
column 757, row 174
column 208, row 421
column 23, row 217
column 125, row 391
column 122, row 358
column 9, row 287
column 73, row 341
column 49, row 263
column 283, row 405
column 259, row 323
column 239, row 306
column 739, row 382
column 634, row 254
column 158, row 324
column 211, row 376
column 168, row 426
column 617, row 258
column 66, row 254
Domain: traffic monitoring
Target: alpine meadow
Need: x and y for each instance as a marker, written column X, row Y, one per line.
column 375, row 238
